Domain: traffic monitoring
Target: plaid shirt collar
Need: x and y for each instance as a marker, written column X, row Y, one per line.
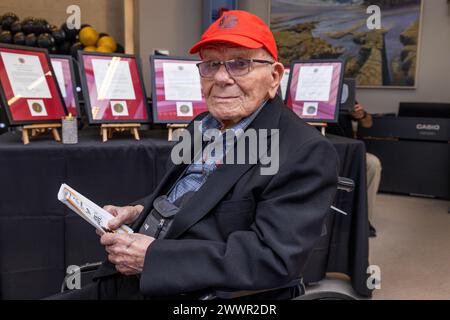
column 209, row 122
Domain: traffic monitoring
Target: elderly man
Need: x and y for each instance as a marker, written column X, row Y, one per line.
column 214, row 226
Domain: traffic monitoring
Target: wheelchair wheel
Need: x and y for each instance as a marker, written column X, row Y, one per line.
column 325, row 295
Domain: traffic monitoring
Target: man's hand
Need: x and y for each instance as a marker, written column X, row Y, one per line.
column 363, row 118
column 126, row 251
column 123, row 215
column 358, row 112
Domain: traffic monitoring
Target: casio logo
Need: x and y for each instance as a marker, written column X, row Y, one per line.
column 434, row 127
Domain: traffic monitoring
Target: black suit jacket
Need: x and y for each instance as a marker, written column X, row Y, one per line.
column 243, row 230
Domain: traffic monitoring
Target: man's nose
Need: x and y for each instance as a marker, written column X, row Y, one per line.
column 222, row 76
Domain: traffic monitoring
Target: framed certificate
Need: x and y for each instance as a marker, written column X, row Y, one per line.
column 176, row 90
column 112, row 87
column 65, row 75
column 28, row 89
column 314, row 89
column 284, row 83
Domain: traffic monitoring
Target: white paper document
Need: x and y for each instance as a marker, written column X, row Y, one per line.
column 113, row 79
column 88, row 210
column 181, row 82
column 26, row 75
column 314, row 83
column 59, row 74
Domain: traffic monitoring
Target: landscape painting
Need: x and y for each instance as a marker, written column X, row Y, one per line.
column 385, row 56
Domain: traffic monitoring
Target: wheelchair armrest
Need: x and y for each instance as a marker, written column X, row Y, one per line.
column 90, row 266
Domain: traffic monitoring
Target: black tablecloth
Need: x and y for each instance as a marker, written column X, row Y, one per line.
column 40, row 237
column 345, row 247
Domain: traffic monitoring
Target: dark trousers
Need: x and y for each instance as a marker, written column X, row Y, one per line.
column 120, row 287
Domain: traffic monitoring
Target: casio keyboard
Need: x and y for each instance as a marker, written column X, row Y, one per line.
column 414, row 151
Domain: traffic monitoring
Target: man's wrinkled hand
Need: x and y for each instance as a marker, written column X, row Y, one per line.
column 123, row 215
column 126, row 251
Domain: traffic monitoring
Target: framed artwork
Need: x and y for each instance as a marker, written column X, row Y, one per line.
column 177, row 94
column 314, row 89
column 379, row 40
column 28, row 89
column 113, row 88
column 65, row 75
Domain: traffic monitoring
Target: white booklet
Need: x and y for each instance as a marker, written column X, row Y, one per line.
column 88, row 210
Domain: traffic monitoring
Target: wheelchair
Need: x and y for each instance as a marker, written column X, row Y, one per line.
column 298, row 289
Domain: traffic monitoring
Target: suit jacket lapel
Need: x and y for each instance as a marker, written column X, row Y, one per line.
column 168, row 180
column 223, row 178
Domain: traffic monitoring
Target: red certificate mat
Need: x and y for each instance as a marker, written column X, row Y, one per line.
column 28, row 89
column 314, row 89
column 64, row 72
column 113, row 88
column 177, row 97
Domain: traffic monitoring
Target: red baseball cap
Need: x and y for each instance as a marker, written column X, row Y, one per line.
column 240, row 28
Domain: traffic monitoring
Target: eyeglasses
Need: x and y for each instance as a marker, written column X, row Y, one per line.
column 235, row 67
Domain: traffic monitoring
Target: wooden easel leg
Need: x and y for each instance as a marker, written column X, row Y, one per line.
column 25, row 136
column 105, row 134
column 56, row 134
column 136, row 133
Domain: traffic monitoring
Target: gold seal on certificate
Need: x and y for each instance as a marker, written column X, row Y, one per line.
column 184, row 109
column 310, row 109
column 119, row 108
column 37, row 108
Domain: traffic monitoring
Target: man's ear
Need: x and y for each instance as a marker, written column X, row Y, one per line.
column 277, row 74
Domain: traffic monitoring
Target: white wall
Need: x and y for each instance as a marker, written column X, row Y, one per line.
column 174, row 25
